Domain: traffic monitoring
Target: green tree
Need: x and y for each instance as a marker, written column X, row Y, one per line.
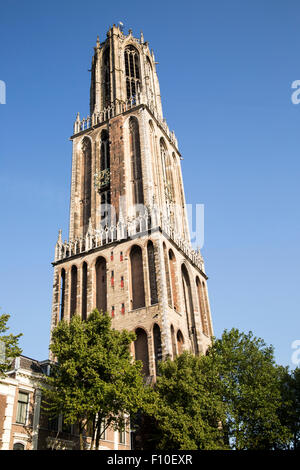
column 250, row 387
column 94, row 379
column 8, row 345
column 186, row 404
column 289, row 412
column 230, row 398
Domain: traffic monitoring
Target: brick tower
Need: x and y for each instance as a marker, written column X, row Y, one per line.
column 129, row 250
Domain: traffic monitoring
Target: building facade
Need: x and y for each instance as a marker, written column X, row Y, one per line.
column 20, row 404
column 128, row 250
column 25, row 426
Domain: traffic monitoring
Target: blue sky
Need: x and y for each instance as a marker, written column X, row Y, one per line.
column 225, row 71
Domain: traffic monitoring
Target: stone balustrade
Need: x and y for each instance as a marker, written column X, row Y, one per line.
column 151, row 220
column 118, row 108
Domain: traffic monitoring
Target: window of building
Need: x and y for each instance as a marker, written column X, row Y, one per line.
column 23, row 400
column 180, row 342
column 106, row 78
column 122, row 437
column 152, row 273
column 150, row 83
column 87, row 182
column 104, row 179
column 141, row 349
column 189, row 307
column 136, row 162
column 137, row 277
column 84, row 291
column 73, row 290
column 157, row 346
column 167, row 271
column 62, row 294
column 18, row 446
column 101, row 285
column 132, row 72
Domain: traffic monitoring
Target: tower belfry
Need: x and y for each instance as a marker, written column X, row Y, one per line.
column 129, row 250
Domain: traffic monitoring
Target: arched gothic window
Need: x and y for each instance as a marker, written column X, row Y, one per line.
column 169, row 178
column 172, row 263
column 141, row 349
column 84, row 292
column 167, row 272
column 18, row 446
column 173, row 342
column 132, row 72
column 73, row 291
column 136, row 162
column 137, row 277
column 104, row 179
column 167, row 181
column 106, row 78
column 153, row 153
column 150, row 82
column 202, row 306
column 86, row 182
column 104, row 151
column 178, row 196
column 152, row 273
column 157, row 346
column 189, row 308
column 180, row 342
column 101, row 284
column 62, row 293
column 163, row 154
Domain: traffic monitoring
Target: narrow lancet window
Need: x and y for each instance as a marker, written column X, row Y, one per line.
column 104, row 179
column 189, row 308
column 137, row 277
column 141, row 349
column 157, row 346
column 86, row 183
column 106, row 78
column 132, row 72
column 101, row 285
column 62, row 293
column 152, row 273
column 136, row 162
column 84, row 292
column 73, row 291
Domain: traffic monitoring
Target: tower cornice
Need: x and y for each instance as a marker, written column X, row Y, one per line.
column 86, row 124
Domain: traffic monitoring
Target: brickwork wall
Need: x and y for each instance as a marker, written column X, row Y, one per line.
column 121, row 293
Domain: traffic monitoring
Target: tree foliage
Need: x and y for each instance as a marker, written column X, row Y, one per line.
column 234, row 397
column 250, row 387
column 230, row 398
column 9, row 347
column 94, row 378
column 187, row 406
column 289, row 412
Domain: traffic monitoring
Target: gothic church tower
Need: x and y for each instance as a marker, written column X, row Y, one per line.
column 129, row 250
